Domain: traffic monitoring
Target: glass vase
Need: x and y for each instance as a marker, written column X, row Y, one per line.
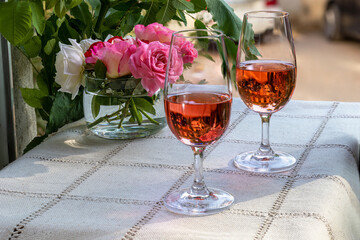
column 121, row 108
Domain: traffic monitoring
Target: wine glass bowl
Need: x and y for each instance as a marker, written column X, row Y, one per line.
column 199, row 118
column 265, row 79
column 197, row 107
column 265, row 86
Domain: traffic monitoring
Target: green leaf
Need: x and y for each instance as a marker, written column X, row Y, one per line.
column 233, row 76
column 33, row 47
column 150, row 15
column 27, row 38
column 36, row 141
column 60, row 21
column 48, row 61
column 72, row 3
column 166, row 13
column 182, row 17
column 60, row 8
column 41, row 82
column 63, row 111
column 15, row 20
column 132, row 119
column 145, row 105
column 81, row 12
column 231, row 48
column 203, row 42
column 113, row 19
column 50, row 28
column 224, row 64
column 46, row 103
column 33, row 97
column 100, row 69
column 129, row 23
column 206, row 55
column 95, row 107
column 48, row 72
column 49, row 47
column 187, row 66
column 43, row 114
column 123, row 5
column 94, row 3
column 50, row 3
column 66, row 31
column 225, row 17
column 183, row 5
column 199, row 25
column 254, row 50
column 38, row 18
column 199, row 5
column 148, row 117
column 248, row 46
column 203, row 81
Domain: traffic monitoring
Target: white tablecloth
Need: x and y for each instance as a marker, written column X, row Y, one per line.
column 79, row 186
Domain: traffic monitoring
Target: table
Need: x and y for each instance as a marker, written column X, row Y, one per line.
column 78, row 186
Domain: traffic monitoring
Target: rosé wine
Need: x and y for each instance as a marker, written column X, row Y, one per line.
column 198, row 119
column 265, row 85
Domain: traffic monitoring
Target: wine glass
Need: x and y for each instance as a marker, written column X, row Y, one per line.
column 265, row 78
column 197, row 107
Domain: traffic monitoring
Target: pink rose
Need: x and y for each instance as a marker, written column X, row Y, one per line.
column 153, row 32
column 92, row 52
column 117, row 39
column 114, row 53
column 189, row 53
column 116, row 58
column 149, row 63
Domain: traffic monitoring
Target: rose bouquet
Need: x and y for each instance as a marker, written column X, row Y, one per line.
column 36, row 28
column 140, row 61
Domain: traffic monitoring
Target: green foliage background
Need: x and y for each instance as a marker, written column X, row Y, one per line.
column 37, row 26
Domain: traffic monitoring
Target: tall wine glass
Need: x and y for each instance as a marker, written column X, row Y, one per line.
column 265, row 77
column 197, row 107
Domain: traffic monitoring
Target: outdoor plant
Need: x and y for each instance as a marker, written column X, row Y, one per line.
column 38, row 28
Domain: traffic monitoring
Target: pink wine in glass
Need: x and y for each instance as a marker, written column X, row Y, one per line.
column 198, row 118
column 265, row 85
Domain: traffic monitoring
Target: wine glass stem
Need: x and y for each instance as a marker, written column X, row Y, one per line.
column 198, row 188
column 265, row 149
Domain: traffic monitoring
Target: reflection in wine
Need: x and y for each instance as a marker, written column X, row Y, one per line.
column 198, row 119
column 265, row 85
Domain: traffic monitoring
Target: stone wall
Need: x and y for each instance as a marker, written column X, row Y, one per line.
column 25, row 118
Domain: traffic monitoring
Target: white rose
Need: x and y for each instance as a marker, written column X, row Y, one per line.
column 86, row 43
column 69, row 66
column 108, row 37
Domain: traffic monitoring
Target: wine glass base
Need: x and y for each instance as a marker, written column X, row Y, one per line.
column 182, row 202
column 279, row 163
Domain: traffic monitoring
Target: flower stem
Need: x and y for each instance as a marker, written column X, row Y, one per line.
column 104, row 118
column 148, row 117
column 124, row 111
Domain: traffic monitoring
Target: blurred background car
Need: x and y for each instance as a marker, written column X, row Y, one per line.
column 342, row 19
